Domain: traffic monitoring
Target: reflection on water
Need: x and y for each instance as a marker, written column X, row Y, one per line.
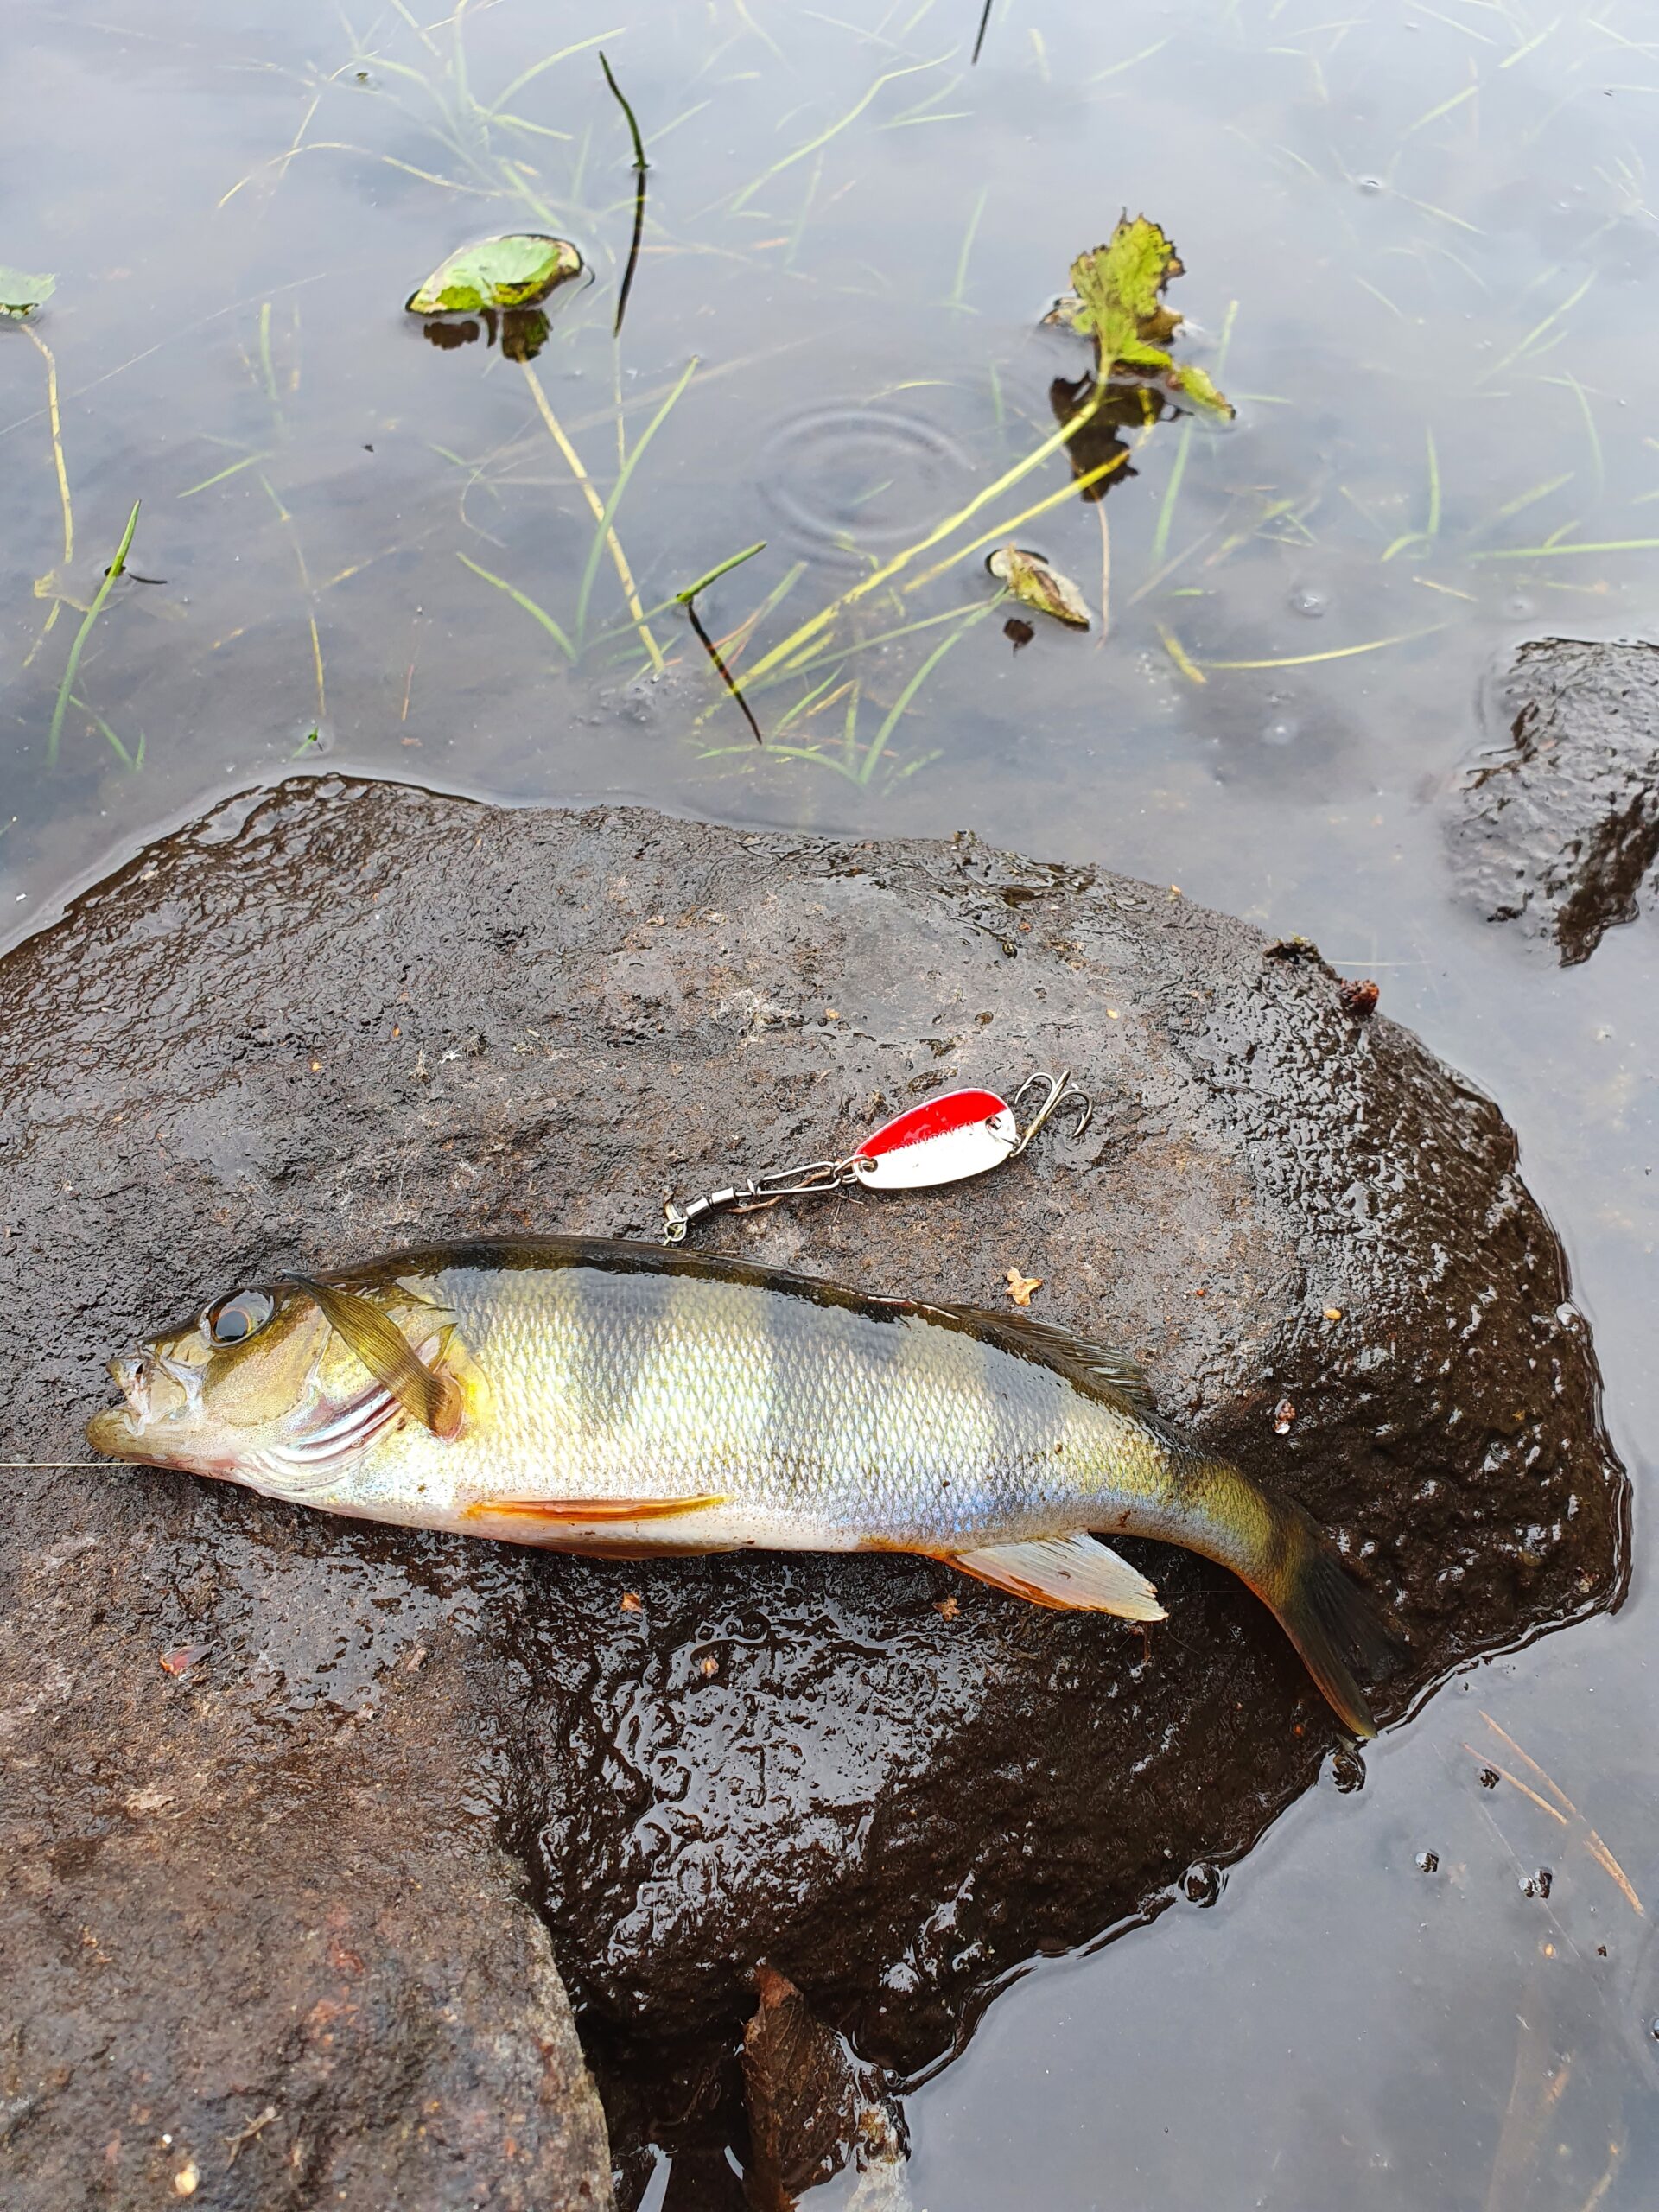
column 1423, row 241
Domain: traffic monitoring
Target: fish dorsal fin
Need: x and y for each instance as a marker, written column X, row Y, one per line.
column 1070, row 1573
column 1055, row 1345
column 427, row 1395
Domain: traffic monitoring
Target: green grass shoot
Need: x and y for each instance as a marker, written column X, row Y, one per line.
column 521, row 598
column 601, row 531
column 85, row 632
column 684, row 598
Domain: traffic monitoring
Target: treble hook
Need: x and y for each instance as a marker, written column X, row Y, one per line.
column 1062, row 1091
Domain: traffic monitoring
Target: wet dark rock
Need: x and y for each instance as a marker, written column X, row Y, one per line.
column 1556, row 826
column 341, row 1017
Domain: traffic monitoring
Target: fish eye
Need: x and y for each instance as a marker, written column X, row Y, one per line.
column 234, row 1319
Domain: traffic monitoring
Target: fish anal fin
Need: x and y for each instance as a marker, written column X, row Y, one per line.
column 1051, row 1343
column 583, row 1512
column 1069, row 1573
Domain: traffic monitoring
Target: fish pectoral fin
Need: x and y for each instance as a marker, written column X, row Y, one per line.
column 580, row 1511
column 427, row 1395
column 1072, row 1574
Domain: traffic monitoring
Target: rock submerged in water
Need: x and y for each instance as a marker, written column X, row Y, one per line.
column 1557, row 826
column 327, row 1866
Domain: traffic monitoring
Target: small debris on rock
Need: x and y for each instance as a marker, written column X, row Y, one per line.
column 1358, row 999
column 1537, row 1884
column 1489, row 1777
column 186, row 2179
column 1293, row 948
column 1283, row 1413
column 249, row 2133
column 1333, row 1313
column 630, row 1602
column 711, row 1665
column 1020, row 1287
column 1428, row 1862
column 180, row 1660
column 947, row 1608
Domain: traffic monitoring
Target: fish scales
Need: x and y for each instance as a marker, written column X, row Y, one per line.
column 816, row 1416
column 610, row 1396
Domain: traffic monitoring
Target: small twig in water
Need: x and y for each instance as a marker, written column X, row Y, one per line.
column 641, row 165
column 984, row 25
column 726, row 676
column 86, row 622
column 639, row 161
column 687, row 598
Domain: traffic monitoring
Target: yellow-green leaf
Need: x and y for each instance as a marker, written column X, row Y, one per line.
column 514, row 271
column 1034, row 583
column 21, row 294
column 1117, row 300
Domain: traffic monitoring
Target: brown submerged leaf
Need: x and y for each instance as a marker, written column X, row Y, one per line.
column 1034, row 583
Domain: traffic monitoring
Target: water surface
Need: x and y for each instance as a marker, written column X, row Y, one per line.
column 1421, row 257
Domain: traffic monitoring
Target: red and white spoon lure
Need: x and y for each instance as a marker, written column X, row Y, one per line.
column 943, row 1140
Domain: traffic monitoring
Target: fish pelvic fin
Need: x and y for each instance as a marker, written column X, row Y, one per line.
column 427, row 1395
column 1329, row 1618
column 1075, row 1573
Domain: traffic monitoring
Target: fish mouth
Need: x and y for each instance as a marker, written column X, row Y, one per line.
column 132, row 1378
column 118, row 1431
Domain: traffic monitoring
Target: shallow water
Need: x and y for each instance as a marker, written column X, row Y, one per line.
column 1420, row 259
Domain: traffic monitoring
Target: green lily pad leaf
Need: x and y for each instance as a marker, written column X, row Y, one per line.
column 1117, row 300
column 1033, row 583
column 515, row 271
column 20, row 295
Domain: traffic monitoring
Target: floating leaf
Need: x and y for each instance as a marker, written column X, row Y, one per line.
column 20, row 295
column 514, row 271
column 1033, row 583
column 1117, row 300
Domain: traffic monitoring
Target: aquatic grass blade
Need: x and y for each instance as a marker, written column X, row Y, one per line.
column 834, row 130
column 826, row 615
column 618, row 559
column 1543, row 552
column 91, row 616
column 684, row 598
column 879, row 742
column 1336, row 652
column 602, row 527
column 521, row 599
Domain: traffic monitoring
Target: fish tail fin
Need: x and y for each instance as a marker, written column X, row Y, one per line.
column 1329, row 1618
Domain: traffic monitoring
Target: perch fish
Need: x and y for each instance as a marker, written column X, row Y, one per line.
column 608, row 1397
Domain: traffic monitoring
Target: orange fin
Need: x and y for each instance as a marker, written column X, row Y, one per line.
column 1070, row 1573
column 580, row 1510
